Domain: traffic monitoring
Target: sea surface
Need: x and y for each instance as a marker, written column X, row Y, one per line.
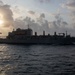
column 37, row 60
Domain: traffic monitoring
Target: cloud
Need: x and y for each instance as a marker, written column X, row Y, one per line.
column 31, row 12
column 41, row 18
column 41, row 24
column 20, row 22
column 44, row 1
column 35, row 25
column 7, row 15
column 1, row 3
column 16, row 9
column 70, row 5
column 59, row 21
column 38, row 24
column 64, row 23
column 58, row 24
column 19, row 11
column 42, row 15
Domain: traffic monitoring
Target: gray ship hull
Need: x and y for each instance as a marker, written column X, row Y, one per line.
column 42, row 41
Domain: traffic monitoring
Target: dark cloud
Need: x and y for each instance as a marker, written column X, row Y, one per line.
column 59, row 21
column 7, row 15
column 41, row 18
column 42, row 15
column 31, row 12
column 58, row 25
column 64, row 23
column 71, row 4
column 61, row 29
column 1, row 3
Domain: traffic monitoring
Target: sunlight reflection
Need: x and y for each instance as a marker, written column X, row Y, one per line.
column 1, row 20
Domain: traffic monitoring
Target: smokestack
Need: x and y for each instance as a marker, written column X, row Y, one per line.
column 66, row 33
column 44, row 33
column 28, row 26
column 55, row 33
column 35, row 33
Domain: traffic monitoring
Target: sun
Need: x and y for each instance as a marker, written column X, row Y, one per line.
column 1, row 22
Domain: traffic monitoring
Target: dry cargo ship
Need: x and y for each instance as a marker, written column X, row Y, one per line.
column 25, row 36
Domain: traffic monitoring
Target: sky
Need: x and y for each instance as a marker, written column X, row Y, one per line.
column 48, row 15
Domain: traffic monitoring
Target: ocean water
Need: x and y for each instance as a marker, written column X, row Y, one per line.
column 37, row 60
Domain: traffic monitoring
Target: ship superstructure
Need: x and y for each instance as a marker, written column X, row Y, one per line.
column 20, row 33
